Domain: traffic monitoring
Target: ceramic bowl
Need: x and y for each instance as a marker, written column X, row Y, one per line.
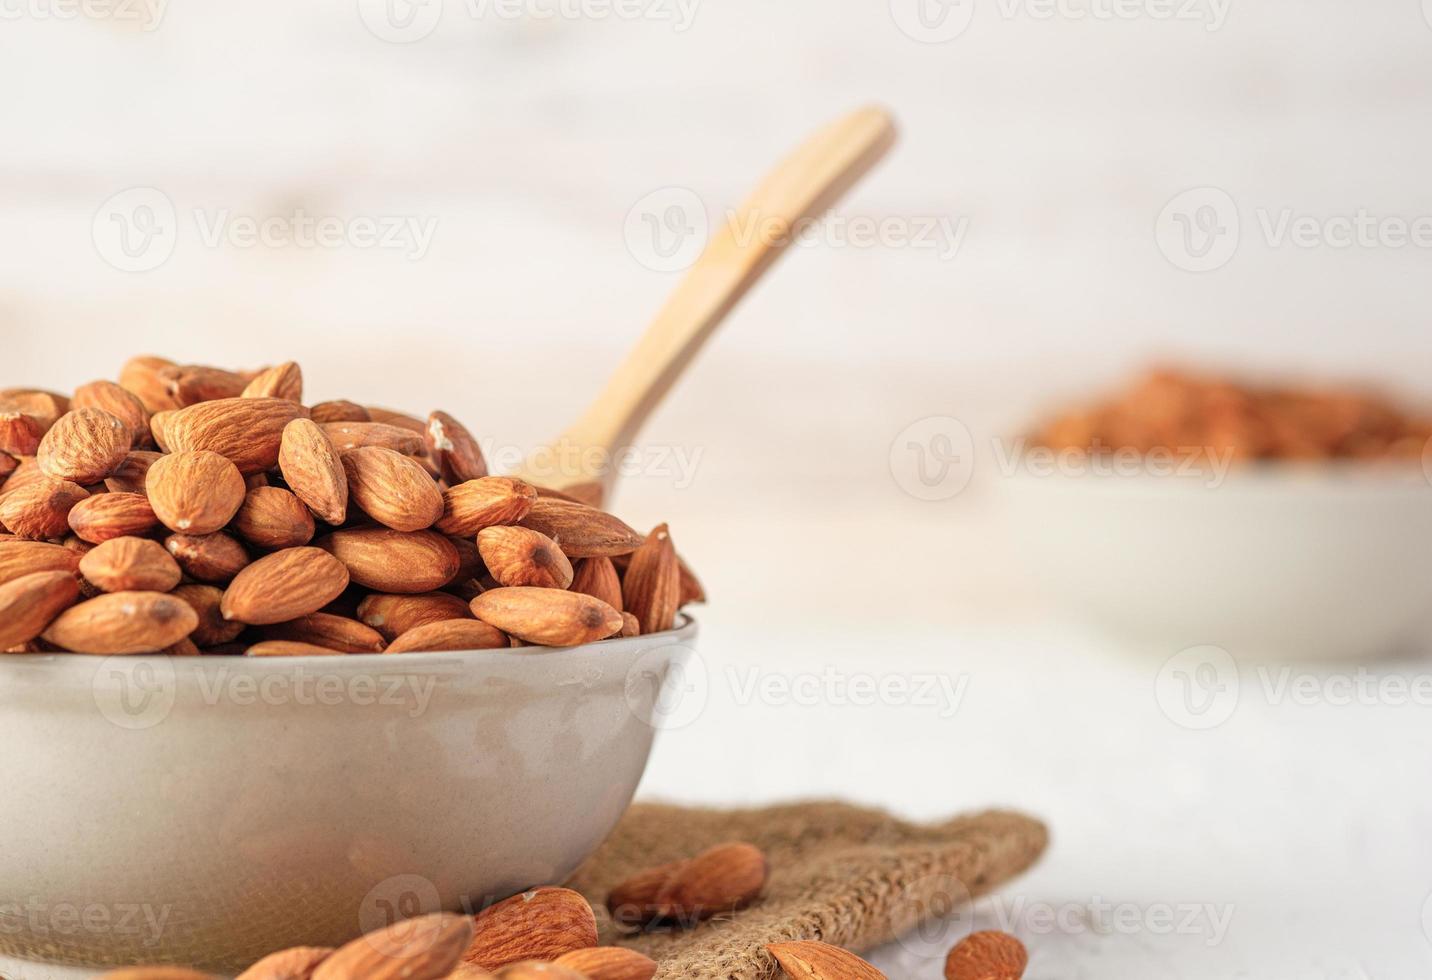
column 211, row 810
column 1278, row 562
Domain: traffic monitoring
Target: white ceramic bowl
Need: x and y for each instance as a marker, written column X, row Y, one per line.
column 210, row 810
column 1273, row 562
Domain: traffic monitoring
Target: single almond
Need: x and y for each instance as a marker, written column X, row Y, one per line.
column 290, row 648
column 19, row 557
column 129, row 475
column 651, row 590
column 391, row 488
column 313, row 470
column 597, row 577
column 422, row 948
column 45, row 407
column 190, row 384
column 581, row 531
column 297, row 963
column 213, row 628
column 987, row 955
column 394, row 615
column 283, row 381
column 123, row 622
column 103, row 516
column 130, row 564
column 810, row 960
column 609, row 963
column 284, row 585
column 722, row 879
column 84, row 446
column 117, row 401
column 522, row 556
column 195, row 492
column 356, row 435
column 20, row 434
column 339, row 411
column 631, row 626
column 453, row 449
column 30, row 603
column 140, row 376
column 400, row 419
column 247, row 431
column 492, row 500
column 449, row 634
column 547, row 617
column 207, row 557
column 537, row 925
column 386, row 560
column 328, row 630
column 272, row 518
column 691, row 588
column 40, row 507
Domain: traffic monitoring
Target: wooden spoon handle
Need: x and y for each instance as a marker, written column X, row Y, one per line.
column 803, row 187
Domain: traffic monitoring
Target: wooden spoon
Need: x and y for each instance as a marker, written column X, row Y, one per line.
column 802, row 188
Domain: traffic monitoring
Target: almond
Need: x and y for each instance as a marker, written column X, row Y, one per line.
column 123, row 622
column 357, row 435
column 402, row 420
column 469, row 507
column 284, row 585
column 130, row 565
column 547, row 617
column 609, row 963
column 20, row 434
column 103, row 516
column 284, row 381
column 290, row 648
column 541, row 924
column 597, row 577
column 45, row 407
column 469, row 560
column 723, row 879
column 691, row 588
column 339, row 411
column 327, row 630
column 30, row 603
column 194, row 383
column 422, row 948
column 313, row 470
column 297, row 963
column 123, row 405
column 987, row 956
column 630, row 625
column 453, row 449
column 213, row 628
column 386, row 560
column 821, row 961
column 391, row 488
column 581, row 531
column 247, row 431
column 272, row 518
column 84, row 446
column 40, row 508
column 129, row 475
column 140, row 376
column 651, row 589
column 195, row 491
column 207, row 557
column 537, row 970
column 159, row 429
column 449, row 634
column 522, row 556
column 8, row 464
column 19, row 557
column 394, row 615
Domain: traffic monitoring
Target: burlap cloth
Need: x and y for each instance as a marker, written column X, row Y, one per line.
column 846, row 875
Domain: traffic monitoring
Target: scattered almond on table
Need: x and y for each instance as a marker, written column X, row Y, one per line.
column 189, row 509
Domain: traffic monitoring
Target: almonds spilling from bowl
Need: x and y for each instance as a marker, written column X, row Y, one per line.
column 187, row 508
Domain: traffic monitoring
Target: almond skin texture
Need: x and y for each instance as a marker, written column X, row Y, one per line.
column 40, row 508
column 313, row 470
column 213, row 628
column 453, row 449
column 394, row 615
column 20, row 434
column 547, row 617
column 987, row 956
column 356, row 435
column 207, row 557
column 821, row 961
column 84, row 446
column 140, row 376
column 283, row 586
column 247, row 431
column 288, row 964
column 193, row 383
column 609, row 963
column 469, row 507
column 194, row 492
column 392, row 489
column 541, row 924
column 522, row 556
column 123, row 405
column 449, row 634
column 597, row 577
column 123, row 622
column 339, row 411
column 723, row 879
column 272, row 518
column 130, row 565
column 581, row 531
column 129, row 476
column 327, row 630
column 19, row 557
column 385, row 560
column 651, row 589
column 30, row 603
column 104, row 516
column 423, row 948
column 284, row 381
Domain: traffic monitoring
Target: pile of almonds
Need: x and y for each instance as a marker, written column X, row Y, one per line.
column 1185, row 413
column 190, row 510
column 552, row 932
